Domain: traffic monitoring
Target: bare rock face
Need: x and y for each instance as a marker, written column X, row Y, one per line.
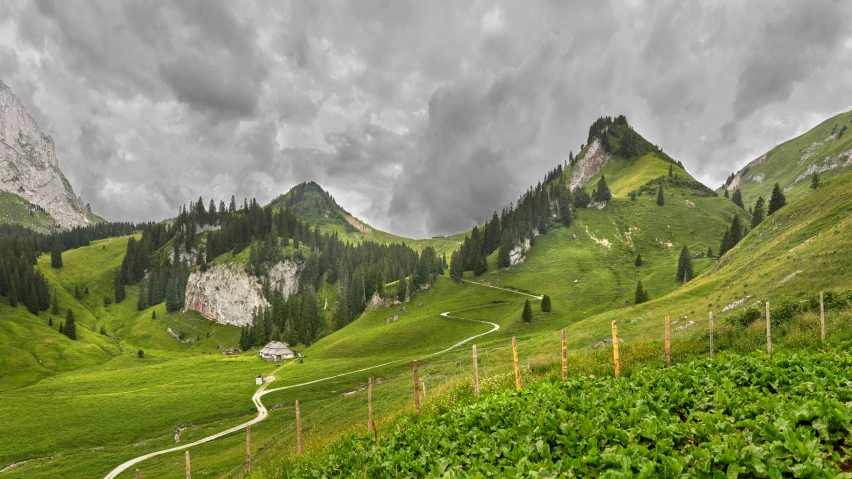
column 519, row 252
column 226, row 294
column 29, row 167
column 589, row 165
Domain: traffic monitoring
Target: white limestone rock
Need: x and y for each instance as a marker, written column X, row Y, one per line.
column 226, row 294
column 29, row 167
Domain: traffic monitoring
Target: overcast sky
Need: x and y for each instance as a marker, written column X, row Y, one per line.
column 420, row 117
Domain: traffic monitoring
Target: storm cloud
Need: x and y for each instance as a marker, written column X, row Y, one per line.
column 420, row 117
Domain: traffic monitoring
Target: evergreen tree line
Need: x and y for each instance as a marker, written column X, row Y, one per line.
column 272, row 235
column 20, row 281
column 618, row 137
column 68, row 239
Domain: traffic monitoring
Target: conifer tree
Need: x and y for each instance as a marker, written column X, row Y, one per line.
column 737, row 198
column 671, row 172
column 660, row 199
column 13, row 295
column 54, row 306
column 684, row 265
column 481, row 265
column 638, row 259
column 142, row 302
column 725, row 245
column 401, row 286
column 456, row 267
column 76, row 292
column 61, row 327
column 641, row 295
column 545, row 304
column 527, row 315
column 815, row 181
column 709, row 252
column 758, row 212
column 32, row 301
column 50, row 321
column 120, row 292
column 777, row 201
column 602, row 193
column 70, row 328
column 56, row 255
column 737, row 232
column 726, row 193
column 503, row 253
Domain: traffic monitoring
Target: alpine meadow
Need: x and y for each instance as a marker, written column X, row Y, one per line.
column 411, row 239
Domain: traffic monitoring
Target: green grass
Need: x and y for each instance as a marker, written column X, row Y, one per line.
column 14, row 211
column 787, row 161
column 624, row 176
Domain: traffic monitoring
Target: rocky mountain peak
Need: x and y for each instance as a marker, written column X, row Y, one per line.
column 29, row 167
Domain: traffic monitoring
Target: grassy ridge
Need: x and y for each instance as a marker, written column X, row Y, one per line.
column 787, row 161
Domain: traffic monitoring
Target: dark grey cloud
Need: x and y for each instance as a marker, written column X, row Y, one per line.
column 421, row 117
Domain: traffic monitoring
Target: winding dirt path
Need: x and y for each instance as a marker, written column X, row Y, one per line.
column 504, row 289
column 262, row 412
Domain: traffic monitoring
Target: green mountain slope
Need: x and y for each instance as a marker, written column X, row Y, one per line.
column 589, row 267
column 15, row 210
column 316, row 206
column 823, row 149
column 31, row 350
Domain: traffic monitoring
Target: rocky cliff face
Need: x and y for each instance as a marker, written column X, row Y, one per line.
column 589, row 165
column 225, row 293
column 29, row 167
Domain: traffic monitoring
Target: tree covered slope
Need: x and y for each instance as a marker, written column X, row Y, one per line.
column 316, row 206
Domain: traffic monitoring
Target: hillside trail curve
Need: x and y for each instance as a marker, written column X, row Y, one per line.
column 262, row 412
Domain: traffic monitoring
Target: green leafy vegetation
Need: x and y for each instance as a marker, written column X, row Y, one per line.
column 741, row 415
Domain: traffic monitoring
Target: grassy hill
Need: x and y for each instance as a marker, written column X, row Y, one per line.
column 15, row 210
column 790, row 164
column 316, row 206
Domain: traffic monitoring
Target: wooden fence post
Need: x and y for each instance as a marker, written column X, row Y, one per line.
column 298, row 429
column 821, row 318
column 188, row 473
column 668, row 343
column 564, row 357
column 711, row 334
column 248, row 449
column 615, row 349
column 475, row 374
column 517, row 370
column 369, row 403
column 138, row 474
column 768, row 333
column 416, row 390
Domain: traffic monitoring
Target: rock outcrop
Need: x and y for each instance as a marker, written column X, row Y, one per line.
column 519, row 253
column 29, row 167
column 226, row 294
column 589, row 165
